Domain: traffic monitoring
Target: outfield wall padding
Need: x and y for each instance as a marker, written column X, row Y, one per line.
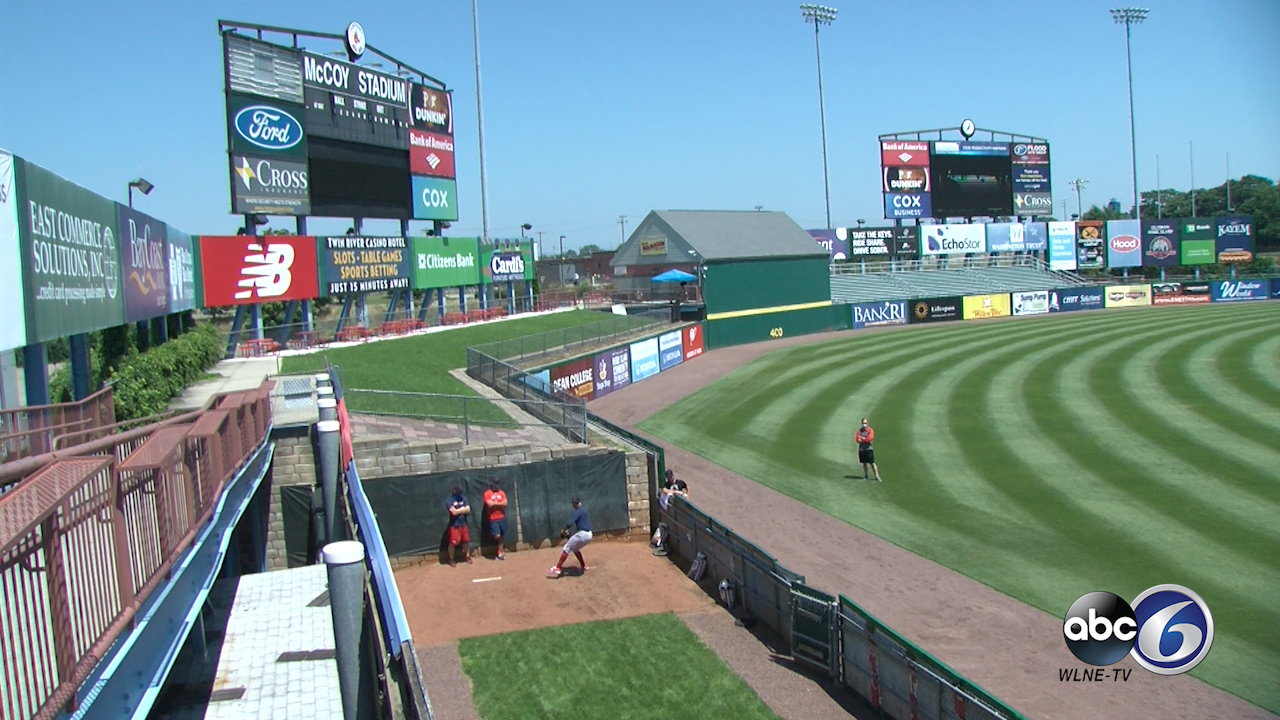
column 775, row 325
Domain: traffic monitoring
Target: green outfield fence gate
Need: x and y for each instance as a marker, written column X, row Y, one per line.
column 815, row 638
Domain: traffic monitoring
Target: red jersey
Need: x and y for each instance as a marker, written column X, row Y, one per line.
column 865, row 435
column 492, row 511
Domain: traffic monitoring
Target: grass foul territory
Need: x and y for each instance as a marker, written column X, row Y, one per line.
column 421, row 363
column 1046, row 457
column 642, row 668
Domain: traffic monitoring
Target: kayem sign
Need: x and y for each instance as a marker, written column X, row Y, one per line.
column 670, row 350
column 1180, row 293
column 365, row 264
column 644, row 359
column 866, row 315
column 612, row 371
column 1124, row 244
column 576, row 378
column 72, row 268
column 1234, row 243
column 144, row 265
column 952, row 239
column 13, row 322
column 244, row 269
column 692, row 341
column 1031, row 303
column 935, row 310
column 1238, row 290
column 434, row 198
column 1118, row 296
column 981, row 307
column 445, row 262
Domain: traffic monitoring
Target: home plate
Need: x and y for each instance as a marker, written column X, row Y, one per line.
column 480, row 580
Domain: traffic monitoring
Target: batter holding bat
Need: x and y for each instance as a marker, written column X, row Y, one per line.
column 578, row 530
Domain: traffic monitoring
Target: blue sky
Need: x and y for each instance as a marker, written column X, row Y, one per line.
column 595, row 110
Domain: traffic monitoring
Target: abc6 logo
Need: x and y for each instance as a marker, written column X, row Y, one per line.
column 1168, row 629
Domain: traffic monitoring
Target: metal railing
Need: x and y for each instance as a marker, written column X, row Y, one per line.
column 29, row 431
column 467, row 411
column 532, row 394
column 941, row 262
column 88, row 533
column 569, row 341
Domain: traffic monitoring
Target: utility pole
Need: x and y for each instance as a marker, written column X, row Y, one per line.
column 1130, row 16
column 1078, row 184
column 1159, row 204
column 622, row 220
column 1228, row 182
column 1191, row 154
column 560, row 272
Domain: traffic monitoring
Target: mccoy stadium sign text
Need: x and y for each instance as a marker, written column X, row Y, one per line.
column 336, row 76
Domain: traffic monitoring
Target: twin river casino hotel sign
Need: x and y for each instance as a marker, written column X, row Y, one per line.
column 365, row 264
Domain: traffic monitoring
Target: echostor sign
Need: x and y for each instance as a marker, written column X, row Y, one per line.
column 952, row 239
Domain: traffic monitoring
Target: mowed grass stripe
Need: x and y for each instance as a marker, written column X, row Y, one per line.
column 1198, row 370
column 1151, row 491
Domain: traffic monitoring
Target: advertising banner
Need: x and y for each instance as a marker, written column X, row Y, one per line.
column 1118, row 296
column 1071, row 299
column 353, row 102
column 906, row 243
column 507, row 261
column 13, row 319
column 978, row 149
column 1062, row 246
column 1235, row 240
column 837, row 247
column 1179, row 293
column 1124, row 244
column 269, row 186
column 431, row 154
column 907, row 205
column 1199, row 241
column 182, row 277
column 247, row 269
column 262, row 127
column 981, row 307
column 72, row 268
column 670, row 350
column 952, row 239
column 1030, row 178
column 1160, row 243
column 434, row 198
column 1275, row 288
column 1016, row 237
column 644, row 359
column 899, row 179
column 1031, row 303
column 691, row 339
column 1238, row 290
column 868, row 243
column 935, row 310
column 904, row 153
column 613, row 371
column 653, row 247
column 364, row 264
column 445, row 262
column 1032, row 203
column 144, row 264
column 430, row 109
column 1091, row 252
column 576, row 378
column 893, row 312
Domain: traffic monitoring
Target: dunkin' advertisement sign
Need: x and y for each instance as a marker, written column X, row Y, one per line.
column 247, row 269
column 692, row 341
column 576, row 378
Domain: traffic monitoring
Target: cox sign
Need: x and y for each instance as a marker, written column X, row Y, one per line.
column 434, row 198
column 268, row 127
column 907, row 205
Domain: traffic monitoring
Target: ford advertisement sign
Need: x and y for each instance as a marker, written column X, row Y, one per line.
column 1071, row 299
column 875, row 314
column 1238, row 290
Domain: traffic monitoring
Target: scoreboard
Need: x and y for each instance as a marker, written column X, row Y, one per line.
column 348, row 102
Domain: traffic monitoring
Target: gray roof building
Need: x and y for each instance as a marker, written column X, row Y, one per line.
column 677, row 237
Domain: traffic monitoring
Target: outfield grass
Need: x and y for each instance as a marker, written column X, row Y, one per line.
column 421, row 363
column 642, row 668
column 1045, row 457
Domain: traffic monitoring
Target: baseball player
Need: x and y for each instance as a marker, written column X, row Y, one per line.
column 866, row 455
column 495, row 509
column 580, row 523
column 459, row 534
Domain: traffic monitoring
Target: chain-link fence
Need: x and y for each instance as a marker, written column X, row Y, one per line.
column 570, row 341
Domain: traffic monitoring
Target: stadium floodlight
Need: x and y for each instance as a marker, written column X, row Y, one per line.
column 142, row 185
column 821, row 15
column 524, row 227
column 1130, row 16
column 1078, row 184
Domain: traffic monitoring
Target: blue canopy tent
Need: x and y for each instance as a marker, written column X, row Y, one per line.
column 674, row 276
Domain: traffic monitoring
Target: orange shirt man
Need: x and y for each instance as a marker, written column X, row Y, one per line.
column 495, row 513
column 866, row 454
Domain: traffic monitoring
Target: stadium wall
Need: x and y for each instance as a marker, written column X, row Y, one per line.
column 736, row 285
column 737, row 328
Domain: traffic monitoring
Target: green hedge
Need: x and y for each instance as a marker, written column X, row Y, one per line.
column 144, row 383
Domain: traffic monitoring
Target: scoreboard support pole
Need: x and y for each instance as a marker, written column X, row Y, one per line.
column 408, row 294
column 462, row 299
column 511, row 297
column 426, row 303
column 308, row 320
column 35, row 374
column 440, row 303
